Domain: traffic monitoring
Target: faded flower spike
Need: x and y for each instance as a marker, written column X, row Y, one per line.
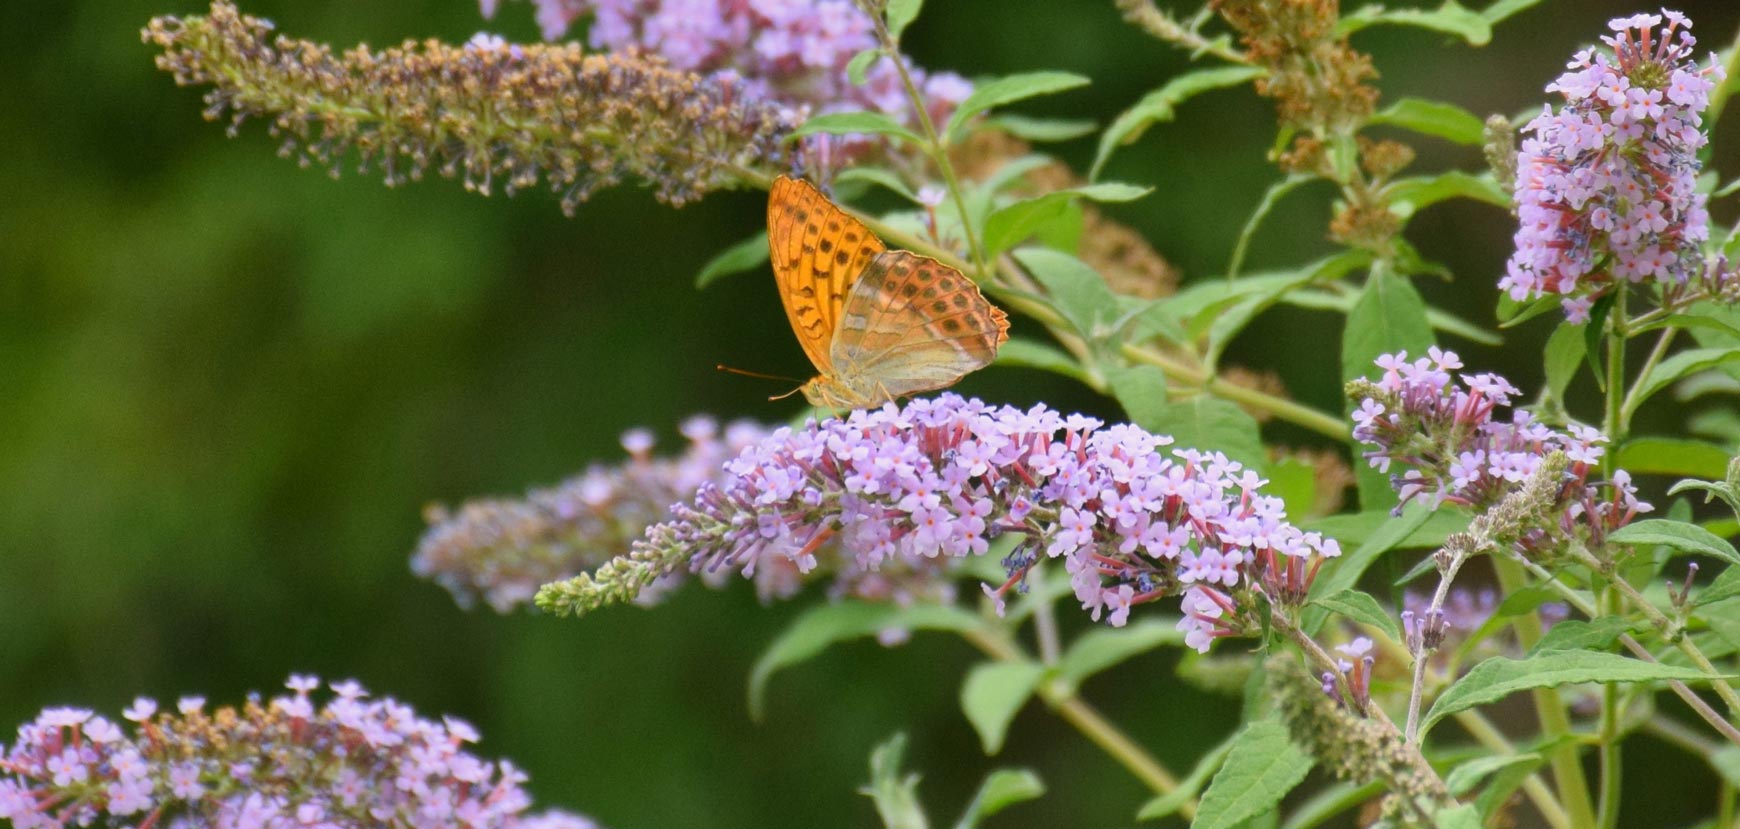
column 355, row 763
column 940, row 478
column 791, row 52
column 490, row 113
column 1605, row 187
column 502, row 550
column 1456, row 449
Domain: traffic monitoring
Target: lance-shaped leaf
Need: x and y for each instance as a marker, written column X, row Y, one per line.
column 1499, row 677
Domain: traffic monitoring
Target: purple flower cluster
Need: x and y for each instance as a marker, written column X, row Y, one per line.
column 941, row 478
column 1457, row 448
column 1605, row 186
column 355, row 762
column 503, row 549
column 790, row 52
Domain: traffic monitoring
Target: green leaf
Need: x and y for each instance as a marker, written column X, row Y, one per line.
column 1044, row 130
column 1499, row 677
column 1324, row 300
column 1465, row 816
column 1499, row 11
column 1679, row 535
column 1411, row 195
column 1343, row 572
column 1014, row 224
column 1212, row 425
column 1673, row 456
column 1161, row 105
column 878, row 176
column 1102, row 647
column 1353, row 529
column 1228, row 325
column 901, row 13
column 1192, row 783
column 1002, row 788
column 1141, row 390
column 1450, row 18
column 895, row 793
column 1598, row 633
column 1389, row 317
column 860, row 65
column 1148, row 319
column 1008, row 90
column 1436, row 118
column 1511, row 313
column 1329, row 801
column 1361, row 607
column 1025, row 353
column 1726, row 586
column 746, row 255
column 1294, row 481
column 993, row 694
column 1683, row 364
column 1726, row 762
column 820, row 627
column 855, row 123
column 1271, row 197
column 1077, row 291
column 1466, row 776
column 1262, row 767
column 1565, row 350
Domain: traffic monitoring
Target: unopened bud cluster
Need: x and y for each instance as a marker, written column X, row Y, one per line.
column 490, row 113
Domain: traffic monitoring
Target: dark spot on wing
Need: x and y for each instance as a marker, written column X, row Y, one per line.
column 833, row 226
column 930, row 293
column 908, row 290
column 842, row 257
column 951, row 326
column 960, row 300
column 940, row 307
column 827, row 246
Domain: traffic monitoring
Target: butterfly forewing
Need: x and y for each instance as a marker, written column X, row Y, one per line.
column 817, row 251
column 912, row 324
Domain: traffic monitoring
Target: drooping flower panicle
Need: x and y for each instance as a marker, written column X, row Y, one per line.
column 353, row 763
column 1606, row 186
column 489, row 112
column 940, row 479
column 1454, row 446
column 503, row 549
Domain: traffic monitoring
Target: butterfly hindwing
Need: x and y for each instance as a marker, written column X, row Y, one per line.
column 817, row 251
column 912, row 324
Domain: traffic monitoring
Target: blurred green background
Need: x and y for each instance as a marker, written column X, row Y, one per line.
column 228, row 386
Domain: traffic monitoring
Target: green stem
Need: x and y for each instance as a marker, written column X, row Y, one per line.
column 1551, row 710
column 938, row 151
column 1666, row 627
column 1616, row 335
column 1628, row 406
column 1089, row 721
column 1608, row 749
column 1485, row 733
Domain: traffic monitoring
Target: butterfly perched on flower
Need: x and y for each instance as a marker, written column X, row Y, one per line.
column 877, row 323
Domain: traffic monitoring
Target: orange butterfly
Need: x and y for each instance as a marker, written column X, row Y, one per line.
column 877, row 323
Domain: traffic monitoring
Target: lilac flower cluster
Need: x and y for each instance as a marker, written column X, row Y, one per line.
column 1457, row 449
column 502, row 549
column 355, row 762
column 941, row 478
column 790, row 52
column 1605, row 187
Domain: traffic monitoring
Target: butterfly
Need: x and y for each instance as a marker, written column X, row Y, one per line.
column 877, row 323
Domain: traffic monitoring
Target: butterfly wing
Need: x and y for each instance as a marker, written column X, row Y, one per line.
column 913, row 324
column 817, row 251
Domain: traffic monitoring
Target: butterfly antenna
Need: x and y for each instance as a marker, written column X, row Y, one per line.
column 747, row 373
column 787, row 394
